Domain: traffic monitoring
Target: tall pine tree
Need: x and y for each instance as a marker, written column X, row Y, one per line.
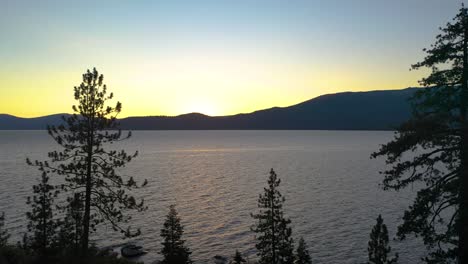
column 174, row 249
column 432, row 148
column 41, row 217
column 87, row 164
column 273, row 234
column 378, row 247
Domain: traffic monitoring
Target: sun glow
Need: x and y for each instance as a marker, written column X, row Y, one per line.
column 202, row 106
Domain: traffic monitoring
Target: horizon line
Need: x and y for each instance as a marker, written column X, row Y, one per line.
column 242, row 113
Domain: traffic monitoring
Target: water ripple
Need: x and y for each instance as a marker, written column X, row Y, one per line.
column 214, row 178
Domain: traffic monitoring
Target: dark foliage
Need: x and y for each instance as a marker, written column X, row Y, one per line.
column 378, row 247
column 432, row 148
column 3, row 232
column 71, row 227
column 273, row 234
column 18, row 255
column 174, row 249
column 237, row 258
column 302, row 254
column 88, row 168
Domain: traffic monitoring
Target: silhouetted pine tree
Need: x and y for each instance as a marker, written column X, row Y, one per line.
column 274, row 242
column 71, row 226
column 4, row 236
column 238, row 259
column 88, row 167
column 41, row 217
column 437, row 138
column 378, row 247
column 174, row 249
column 302, row 254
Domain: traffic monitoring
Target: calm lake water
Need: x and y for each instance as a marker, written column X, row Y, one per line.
column 214, row 178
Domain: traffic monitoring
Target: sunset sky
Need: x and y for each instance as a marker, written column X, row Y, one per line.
column 214, row 57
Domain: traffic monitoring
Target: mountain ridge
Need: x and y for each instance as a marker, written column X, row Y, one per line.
column 370, row 110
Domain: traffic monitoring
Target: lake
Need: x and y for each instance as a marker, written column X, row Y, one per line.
column 330, row 184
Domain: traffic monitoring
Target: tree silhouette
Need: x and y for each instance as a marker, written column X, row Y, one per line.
column 71, row 226
column 437, row 137
column 4, row 236
column 88, row 167
column 238, row 259
column 378, row 247
column 41, row 217
column 274, row 242
column 302, row 254
column 174, row 249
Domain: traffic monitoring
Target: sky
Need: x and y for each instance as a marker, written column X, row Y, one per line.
column 217, row 57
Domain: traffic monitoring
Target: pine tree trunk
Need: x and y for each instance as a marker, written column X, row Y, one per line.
column 86, row 218
column 44, row 226
column 463, row 207
column 273, row 238
column 463, row 186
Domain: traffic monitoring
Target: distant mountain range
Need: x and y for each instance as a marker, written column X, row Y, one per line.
column 374, row 110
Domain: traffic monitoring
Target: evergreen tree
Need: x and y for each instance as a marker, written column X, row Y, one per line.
column 378, row 247
column 41, row 217
column 87, row 166
column 71, row 226
column 302, row 254
column 274, row 242
column 174, row 249
column 238, row 259
column 3, row 232
column 432, row 148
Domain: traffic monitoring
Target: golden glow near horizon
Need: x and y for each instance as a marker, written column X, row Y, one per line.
column 215, row 87
column 216, row 58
